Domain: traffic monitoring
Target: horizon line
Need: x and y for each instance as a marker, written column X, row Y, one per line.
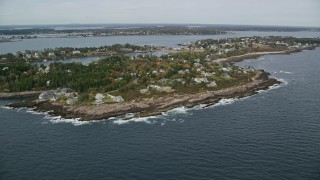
column 261, row 25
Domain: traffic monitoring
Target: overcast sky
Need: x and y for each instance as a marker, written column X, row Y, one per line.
column 248, row 12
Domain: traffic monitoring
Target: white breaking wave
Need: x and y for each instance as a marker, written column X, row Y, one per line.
column 59, row 119
column 56, row 119
column 6, row 107
column 223, row 102
column 286, row 72
column 141, row 119
column 162, row 119
column 31, row 111
column 179, row 110
column 200, row 106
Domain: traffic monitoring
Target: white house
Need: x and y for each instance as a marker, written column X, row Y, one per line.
column 117, row 99
column 51, row 54
column 76, row 52
column 213, row 84
column 99, row 98
column 200, row 80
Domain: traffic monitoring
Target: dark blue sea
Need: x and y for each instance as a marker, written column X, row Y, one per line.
column 272, row 135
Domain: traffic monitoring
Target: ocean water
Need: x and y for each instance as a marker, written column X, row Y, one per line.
column 272, row 135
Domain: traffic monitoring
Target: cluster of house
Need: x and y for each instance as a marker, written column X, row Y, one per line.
column 205, row 74
column 219, row 47
column 224, row 46
column 70, row 97
column 102, row 98
column 60, row 93
column 42, row 55
column 211, row 84
column 35, row 55
column 6, row 37
column 44, row 70
column 167, row 89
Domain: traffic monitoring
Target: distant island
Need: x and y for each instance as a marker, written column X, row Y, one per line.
column 200, row 72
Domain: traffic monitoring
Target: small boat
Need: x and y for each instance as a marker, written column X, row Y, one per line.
column 45, row 60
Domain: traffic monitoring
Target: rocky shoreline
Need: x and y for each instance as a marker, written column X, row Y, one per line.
column 150, row 106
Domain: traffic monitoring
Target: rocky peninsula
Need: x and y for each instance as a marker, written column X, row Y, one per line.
column 200, row 73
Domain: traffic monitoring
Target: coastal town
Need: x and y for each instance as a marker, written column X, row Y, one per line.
column 187, row 75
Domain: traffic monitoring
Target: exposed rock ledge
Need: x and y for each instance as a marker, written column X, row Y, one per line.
column 16, row 95
column 151, row 106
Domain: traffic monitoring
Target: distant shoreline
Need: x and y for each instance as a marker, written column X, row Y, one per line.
column 234, row 59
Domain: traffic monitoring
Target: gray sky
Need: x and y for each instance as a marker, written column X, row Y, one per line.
column 250, row 12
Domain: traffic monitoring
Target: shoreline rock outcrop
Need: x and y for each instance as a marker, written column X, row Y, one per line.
column 18, row 95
